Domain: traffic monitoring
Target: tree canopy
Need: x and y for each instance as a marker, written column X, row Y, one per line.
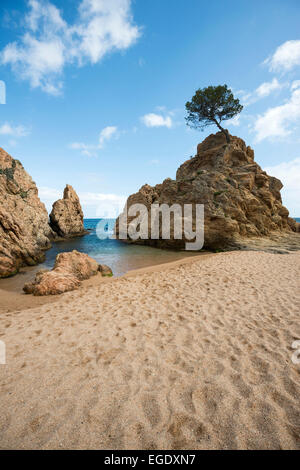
column 212, row 105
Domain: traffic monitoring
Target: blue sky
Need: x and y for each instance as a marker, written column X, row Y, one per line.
column 96, row 89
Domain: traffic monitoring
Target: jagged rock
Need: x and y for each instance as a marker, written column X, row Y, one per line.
column 241, row 201
column 66, row 218
column 69, row 270
column 24, row 230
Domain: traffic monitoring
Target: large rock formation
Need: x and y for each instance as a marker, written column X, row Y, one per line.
column 68, row 272
column 24, row 228
column 66, row 218
column 241, row 201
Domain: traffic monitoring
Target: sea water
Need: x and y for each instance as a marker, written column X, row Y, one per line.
column 119, row 256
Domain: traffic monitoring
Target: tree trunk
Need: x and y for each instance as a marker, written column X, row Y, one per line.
column 225, row 132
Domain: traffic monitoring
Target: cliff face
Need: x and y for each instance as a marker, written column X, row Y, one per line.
column 66, row 218
column 24, row 228
column 241, row 201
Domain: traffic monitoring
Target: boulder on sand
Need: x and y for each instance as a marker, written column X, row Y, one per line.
column 52, row 283
column 69, row 270
column 78, row 264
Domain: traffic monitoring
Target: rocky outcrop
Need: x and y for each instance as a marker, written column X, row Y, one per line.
column 24, row 230
column 66, row 218
column 241, row 201
column 68, row 272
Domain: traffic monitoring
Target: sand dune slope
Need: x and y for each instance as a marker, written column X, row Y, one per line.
column 193, row 356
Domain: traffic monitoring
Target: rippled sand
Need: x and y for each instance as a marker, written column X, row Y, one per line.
column 195, row 355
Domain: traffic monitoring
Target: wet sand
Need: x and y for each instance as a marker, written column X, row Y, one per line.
column 13, row 298
column 191, row 355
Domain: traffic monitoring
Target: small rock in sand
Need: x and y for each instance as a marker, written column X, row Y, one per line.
column 68, row 272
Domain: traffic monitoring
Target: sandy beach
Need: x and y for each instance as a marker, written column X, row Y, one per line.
column 191, row 355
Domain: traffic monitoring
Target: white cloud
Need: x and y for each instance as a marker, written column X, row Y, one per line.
column 295, row 85
column 93, row 204
column 285, row 58
column 13, row 131
column 266, row 88
column 106, row 134
column 90, row 150
column 234, row 121
column 78, row 146
column 105, row 26
column 289, row 174
column 262, row 91
column 87, row 150
column 49, row 43
column 157, row 120
column 49, row 195
column 277, row 121
column 45, row 11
